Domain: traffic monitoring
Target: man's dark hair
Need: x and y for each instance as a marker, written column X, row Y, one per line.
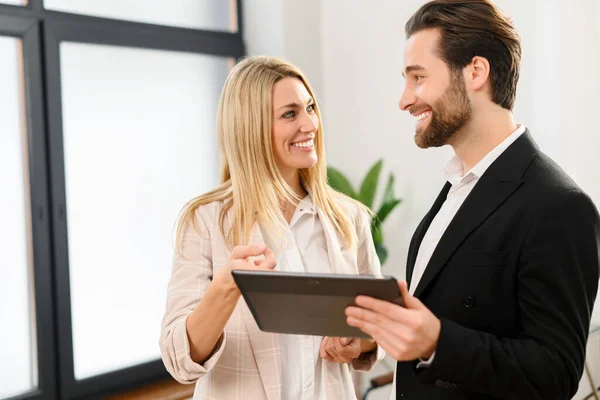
column 472, row 28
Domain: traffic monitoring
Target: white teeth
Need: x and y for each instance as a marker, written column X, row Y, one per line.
column 307, row 144
column 422, row 116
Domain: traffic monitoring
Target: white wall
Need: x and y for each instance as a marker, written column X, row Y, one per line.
column 288, row 29
column 355, row 65
column 362, row 64
column 362, row 46
column 352, row 52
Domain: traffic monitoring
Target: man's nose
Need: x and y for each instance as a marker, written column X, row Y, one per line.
column 407, row 100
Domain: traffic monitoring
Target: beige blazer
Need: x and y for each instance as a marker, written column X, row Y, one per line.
column 247, row 364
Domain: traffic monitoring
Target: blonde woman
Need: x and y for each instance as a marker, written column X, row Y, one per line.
column 272, row 210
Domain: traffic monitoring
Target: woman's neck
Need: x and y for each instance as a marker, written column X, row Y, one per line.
column 293, row 180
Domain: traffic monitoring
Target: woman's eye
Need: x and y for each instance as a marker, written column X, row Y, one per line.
column 289, row 114
column 418, row 78
column 311, row 107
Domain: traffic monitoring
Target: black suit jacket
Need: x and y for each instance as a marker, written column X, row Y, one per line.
column 513, row 280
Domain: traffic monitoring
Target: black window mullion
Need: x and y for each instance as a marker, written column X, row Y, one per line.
column 240, row 22
column 86, row 29
column 36, row 5
column 29, row 10
column 27, row 29
column 64, row 342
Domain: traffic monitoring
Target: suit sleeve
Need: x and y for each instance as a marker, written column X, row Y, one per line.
column 557, row 285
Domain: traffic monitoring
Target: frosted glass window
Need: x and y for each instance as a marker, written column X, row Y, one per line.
column 139, row 142
column 17, row 340
column 217, row 15
column 14, row 2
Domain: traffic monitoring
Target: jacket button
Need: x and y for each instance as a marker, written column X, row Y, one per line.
column 469, row 302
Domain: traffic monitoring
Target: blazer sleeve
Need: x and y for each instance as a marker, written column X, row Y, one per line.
column 368, row 264
column 557, row 285
column 190, row 278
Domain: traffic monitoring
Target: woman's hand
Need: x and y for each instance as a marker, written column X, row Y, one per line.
column 340, row 350
column 254, row 257
column 220, row 300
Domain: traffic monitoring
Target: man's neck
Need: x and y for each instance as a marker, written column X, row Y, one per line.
column 482, row 135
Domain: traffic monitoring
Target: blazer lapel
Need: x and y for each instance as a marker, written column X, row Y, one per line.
column 265, row 345
column 267, row 354
column 501, row 179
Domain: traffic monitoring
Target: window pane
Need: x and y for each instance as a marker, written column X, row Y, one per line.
column 14, row 2
column 196, row 14
column 16, row 297
column 139, row 141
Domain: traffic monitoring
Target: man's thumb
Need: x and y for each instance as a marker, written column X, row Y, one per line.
column 410, row 301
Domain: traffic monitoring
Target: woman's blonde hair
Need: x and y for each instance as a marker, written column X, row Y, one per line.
column 251, row 183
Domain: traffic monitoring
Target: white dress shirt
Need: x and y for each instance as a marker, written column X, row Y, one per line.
column 305, row 250
column 462, row 185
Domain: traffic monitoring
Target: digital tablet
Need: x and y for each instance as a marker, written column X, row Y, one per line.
column 309, row 304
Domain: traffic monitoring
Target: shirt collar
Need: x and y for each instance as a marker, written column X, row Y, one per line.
column 306, row 205
column 453, row 171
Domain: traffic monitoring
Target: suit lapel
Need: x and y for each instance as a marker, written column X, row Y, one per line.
column 421, row 229
column 482, row 201
column 496, row 185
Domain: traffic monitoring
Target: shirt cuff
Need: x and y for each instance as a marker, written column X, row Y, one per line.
column 180, row 364
column 366, row 361
column 426, row 363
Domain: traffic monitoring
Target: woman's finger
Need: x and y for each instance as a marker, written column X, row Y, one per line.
column 243, row 252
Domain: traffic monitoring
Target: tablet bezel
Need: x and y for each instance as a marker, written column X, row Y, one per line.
column 335, row 286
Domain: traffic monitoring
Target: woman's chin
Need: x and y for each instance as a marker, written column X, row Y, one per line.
column 306, row 162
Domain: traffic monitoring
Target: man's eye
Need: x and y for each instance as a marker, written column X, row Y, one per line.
column 418, row 78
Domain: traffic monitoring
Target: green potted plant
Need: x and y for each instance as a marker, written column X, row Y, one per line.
column 366, row 195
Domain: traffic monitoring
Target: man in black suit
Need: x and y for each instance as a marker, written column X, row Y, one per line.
column 503, row 270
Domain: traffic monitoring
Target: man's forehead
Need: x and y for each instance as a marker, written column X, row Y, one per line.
column 420, row 48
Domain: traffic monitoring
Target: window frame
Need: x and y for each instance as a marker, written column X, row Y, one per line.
column 26, row 29
column 41, row 32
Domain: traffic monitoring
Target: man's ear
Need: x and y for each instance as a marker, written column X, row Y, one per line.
column 477, row 73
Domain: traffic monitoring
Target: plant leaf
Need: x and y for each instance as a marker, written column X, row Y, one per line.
column 339, row 182
column 388, row 194
column 369, row 185
column 382, row 253
column 377, row 232
column 386, row 209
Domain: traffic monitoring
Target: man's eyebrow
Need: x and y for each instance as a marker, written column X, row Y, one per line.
column 295, row 105
column 412, row 68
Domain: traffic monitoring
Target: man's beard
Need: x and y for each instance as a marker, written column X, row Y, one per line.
column 449, row 114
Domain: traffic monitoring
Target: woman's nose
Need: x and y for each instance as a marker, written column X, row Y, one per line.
column 310, row 123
